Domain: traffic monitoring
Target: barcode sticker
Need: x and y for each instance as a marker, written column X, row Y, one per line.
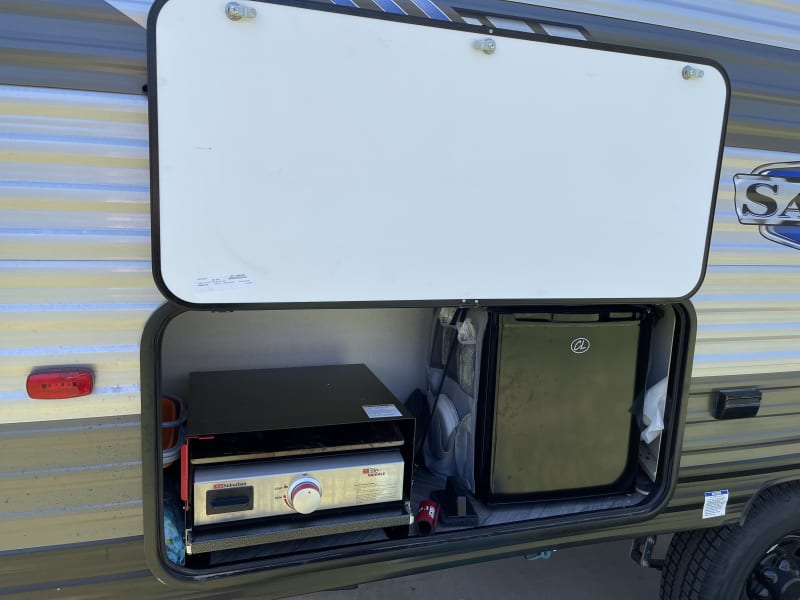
column 381, row 411
column 715, row 503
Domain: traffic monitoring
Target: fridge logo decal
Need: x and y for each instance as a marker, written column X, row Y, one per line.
column 579, row 345
column 770, row 198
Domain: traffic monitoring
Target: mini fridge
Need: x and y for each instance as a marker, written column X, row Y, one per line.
column 556, row 414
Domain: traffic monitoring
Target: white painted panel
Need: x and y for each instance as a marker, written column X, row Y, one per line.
column 333, row 158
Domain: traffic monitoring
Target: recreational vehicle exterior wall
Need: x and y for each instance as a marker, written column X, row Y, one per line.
column 76, row 286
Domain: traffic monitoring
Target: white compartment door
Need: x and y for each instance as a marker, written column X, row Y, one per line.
column 310, row 155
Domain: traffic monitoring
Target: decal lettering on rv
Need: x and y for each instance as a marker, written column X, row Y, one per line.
column 771, row 202
column 770, row 198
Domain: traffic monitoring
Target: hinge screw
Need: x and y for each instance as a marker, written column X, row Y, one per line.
column 487, row 46
column 237, row 12
column 690, row 72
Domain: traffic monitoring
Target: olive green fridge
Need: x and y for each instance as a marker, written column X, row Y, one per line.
column 556, row 412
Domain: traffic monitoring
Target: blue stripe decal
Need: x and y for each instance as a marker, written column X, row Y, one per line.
column 83, row 265
column 59, row 350
column 746, row 327
column 725, row 213
column 15, row 395
column 75, row 231
column 75, row 139
column 756, row 268
column 345, row 3
column 430, row 9
column 746, row 356
column 389, row 7
column 745, row 297
column 762, row 244
column 98, row 391
column 788, row 173
column 62, row 185
column 133, row 388
column 88, row 307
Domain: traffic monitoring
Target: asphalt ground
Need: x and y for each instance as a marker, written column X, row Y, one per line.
column 596, row 572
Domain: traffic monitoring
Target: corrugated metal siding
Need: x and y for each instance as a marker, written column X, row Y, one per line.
column 70, row 481
column 748, row 335
column 75, row 283
column 722, row 453
column 75, row 288
column 749, row 305
column 73, row 44
column 762, row 21
column 75, row 175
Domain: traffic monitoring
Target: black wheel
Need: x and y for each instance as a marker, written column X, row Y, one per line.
column 757, row 561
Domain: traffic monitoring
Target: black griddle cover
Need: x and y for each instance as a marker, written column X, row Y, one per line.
column 223, row 402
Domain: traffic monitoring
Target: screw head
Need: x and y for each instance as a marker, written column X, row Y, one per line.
column 234, row 11
column 690, row 72
column 487, row 46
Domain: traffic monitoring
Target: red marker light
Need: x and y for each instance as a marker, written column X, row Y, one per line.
column 59, row 385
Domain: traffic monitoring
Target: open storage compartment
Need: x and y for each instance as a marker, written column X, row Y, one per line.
column 230, row 367
column 436, row 318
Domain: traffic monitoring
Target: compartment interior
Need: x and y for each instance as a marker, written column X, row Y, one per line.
column 396, row 344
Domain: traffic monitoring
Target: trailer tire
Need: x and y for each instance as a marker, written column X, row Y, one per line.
column 722, row 562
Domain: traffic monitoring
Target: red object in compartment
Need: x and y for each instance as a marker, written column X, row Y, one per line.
column 170, row 411
column 185, row 467
column 185, row 472
column 427, row 517
column 60, row 385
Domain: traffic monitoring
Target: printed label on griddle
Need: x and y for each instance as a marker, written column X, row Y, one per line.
column 380, row 489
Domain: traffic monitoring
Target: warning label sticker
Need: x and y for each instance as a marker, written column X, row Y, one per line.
column 222, row 282
column 377, row 491
column 715, row 503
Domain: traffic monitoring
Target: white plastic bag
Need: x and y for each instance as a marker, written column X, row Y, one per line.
column 467, row 341
column 655, row 401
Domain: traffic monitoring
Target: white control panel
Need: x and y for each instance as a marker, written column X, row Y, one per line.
column 224, row 493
